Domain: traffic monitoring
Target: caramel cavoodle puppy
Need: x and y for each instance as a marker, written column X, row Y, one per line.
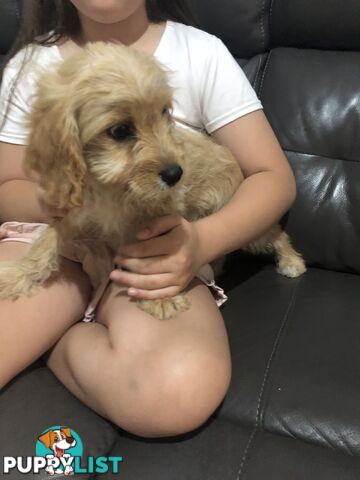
column 105, row 146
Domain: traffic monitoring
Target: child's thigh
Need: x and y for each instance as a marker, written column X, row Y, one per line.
column 170, row 375
column 31, row 325
column 193, row 344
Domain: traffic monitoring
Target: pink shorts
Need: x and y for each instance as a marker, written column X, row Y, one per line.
column 98, row 266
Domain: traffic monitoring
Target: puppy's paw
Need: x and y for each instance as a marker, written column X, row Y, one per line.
column 292, row 266
column 165, row 308
column 68, row 470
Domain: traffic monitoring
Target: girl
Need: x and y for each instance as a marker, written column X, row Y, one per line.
column 151, row 378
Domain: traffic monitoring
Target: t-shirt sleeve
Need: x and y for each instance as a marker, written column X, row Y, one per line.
column 14, row 105
column 225, row 92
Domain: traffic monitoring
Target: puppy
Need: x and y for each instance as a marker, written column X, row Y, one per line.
column 105, row 146
column 58, row 441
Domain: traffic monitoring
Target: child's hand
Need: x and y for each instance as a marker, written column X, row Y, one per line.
column 165, row 260
column 49, row 210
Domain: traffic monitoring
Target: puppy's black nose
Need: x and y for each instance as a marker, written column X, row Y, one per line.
column 171, row 174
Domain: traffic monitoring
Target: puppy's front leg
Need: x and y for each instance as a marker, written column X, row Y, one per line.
column 165, row 308
column 19, row 277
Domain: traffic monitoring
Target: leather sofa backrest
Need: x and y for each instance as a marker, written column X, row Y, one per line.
column 10, row 16
column 249, row 27
column 304, row 62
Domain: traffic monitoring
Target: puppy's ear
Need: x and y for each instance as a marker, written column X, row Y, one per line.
column 47, row 438
column 66, row 430
column 54, row 150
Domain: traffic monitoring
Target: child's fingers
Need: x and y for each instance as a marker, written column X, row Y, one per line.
column 160, row 226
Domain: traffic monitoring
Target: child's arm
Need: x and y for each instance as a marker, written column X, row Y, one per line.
column 267, row 192
column 20, row 198
column 17, row 192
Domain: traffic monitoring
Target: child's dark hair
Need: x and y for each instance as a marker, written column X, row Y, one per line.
column 45, row 22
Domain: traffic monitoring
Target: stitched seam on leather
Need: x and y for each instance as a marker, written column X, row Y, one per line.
column 274, row 351
column 320, row 155
column 257, row 72
column 262, row 27
column 240, row 471
column 270, row 17
column 266, row 376
column 264, row 73
column 17, row 12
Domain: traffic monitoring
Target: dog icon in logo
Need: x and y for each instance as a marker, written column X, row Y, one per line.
column 58, row 441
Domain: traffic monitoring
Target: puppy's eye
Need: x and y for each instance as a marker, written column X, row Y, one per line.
column 122, row 131
column 166, row 111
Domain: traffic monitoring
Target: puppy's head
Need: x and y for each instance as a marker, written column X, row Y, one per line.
column 61, row 438
column 103, row 116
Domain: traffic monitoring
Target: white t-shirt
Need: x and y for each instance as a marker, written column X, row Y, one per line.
column 210, row 88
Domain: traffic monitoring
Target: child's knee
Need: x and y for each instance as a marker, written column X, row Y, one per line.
column 168, row 396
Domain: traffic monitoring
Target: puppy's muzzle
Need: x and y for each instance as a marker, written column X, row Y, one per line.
column 171, row 174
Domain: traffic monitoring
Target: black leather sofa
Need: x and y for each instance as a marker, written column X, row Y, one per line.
column 293, row 408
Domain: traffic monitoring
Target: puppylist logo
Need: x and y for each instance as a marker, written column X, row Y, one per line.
column 58, row 452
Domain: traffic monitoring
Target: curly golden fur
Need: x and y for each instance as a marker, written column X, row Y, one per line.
column 105, row 146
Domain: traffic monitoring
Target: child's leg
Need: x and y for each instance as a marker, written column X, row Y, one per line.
column 153, row 378
column 31, row 325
